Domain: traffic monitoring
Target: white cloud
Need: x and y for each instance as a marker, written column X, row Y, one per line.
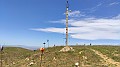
column 63, row 21
column 117, row 17
column 56, row 30
column 93, row 9
column 59, row 21
column 75, row 14
column 114, row 3
column 90, row 28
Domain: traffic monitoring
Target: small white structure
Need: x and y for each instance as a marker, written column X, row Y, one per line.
column 77, row 64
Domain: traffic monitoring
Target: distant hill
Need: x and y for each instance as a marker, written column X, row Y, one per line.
column 23, row 46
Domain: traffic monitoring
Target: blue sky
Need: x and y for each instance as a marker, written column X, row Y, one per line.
column 32, row 22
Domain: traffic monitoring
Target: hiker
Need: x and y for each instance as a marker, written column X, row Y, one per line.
column 1, row 48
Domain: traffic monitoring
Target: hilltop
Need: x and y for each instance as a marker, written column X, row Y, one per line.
column 86, row 56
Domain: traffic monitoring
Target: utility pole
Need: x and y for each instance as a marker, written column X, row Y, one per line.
column 67, row 6
column 44, row 44
column 48, row 43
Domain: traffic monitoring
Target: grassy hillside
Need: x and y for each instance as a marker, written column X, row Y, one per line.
column 111, row 51
column 13, row 55
column 19, row 57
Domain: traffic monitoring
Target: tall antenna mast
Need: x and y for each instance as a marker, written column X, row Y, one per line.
column 67, row 6
column 67, row 48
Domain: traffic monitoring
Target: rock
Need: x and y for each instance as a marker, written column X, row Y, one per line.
column 84, row 57
column 27, row 59
column 31, row 63
column 77, row 64
column 67, row 48
column 54, row 58
column 80, row 52
column 13, row 63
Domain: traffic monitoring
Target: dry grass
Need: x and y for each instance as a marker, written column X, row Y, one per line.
column 19, row 57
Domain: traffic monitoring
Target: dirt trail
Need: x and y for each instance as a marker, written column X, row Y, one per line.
column 107, row 60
